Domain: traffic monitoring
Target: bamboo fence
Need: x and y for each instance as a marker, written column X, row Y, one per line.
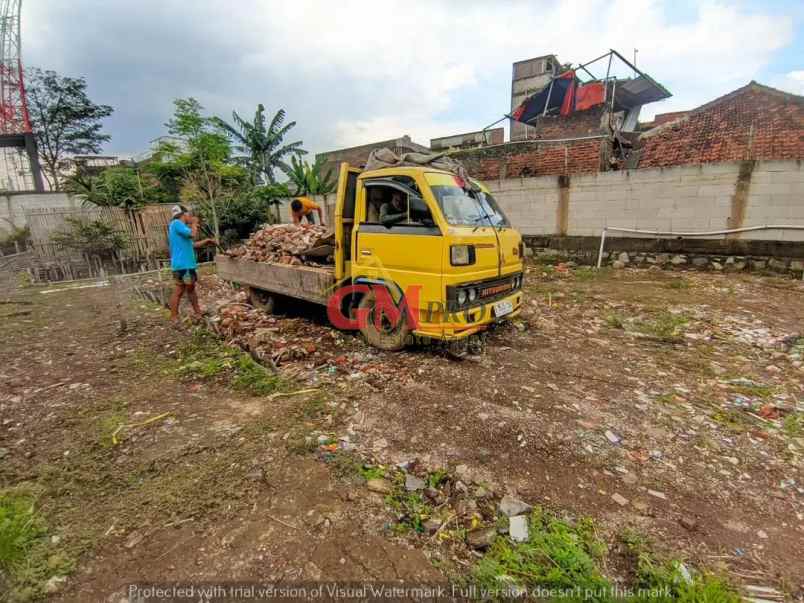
column 144, row 230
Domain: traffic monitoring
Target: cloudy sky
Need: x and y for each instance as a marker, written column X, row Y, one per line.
column 354, row 72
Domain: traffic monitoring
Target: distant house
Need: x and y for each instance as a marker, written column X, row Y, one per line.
column 752, row 122
column 93, row 163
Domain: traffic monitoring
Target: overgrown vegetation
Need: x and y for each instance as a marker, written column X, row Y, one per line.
column 28, row 557
column 558, row 557
column 91, row 237
column 563, row 559
column 16, row 240
column 204, row 356
column 670, row 580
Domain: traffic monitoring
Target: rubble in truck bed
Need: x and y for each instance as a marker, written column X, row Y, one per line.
column 302, row 244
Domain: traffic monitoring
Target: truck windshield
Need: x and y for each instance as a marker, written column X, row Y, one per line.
column 468, row 208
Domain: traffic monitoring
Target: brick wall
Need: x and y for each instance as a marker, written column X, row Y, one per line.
column 753, row 122
column 581, row 123
column 533, row 159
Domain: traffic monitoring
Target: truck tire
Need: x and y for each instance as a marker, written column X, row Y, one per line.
column 262, row 300
column 390, row 338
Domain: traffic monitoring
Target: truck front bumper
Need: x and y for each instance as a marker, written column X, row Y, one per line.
column 452, row 326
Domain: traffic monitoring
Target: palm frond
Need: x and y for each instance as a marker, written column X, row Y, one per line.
column 276, row 122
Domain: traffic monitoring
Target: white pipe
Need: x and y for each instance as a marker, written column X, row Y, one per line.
column 667, row 233
column 708, row 233
column 602, row 244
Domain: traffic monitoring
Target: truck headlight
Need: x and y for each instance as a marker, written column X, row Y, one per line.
column 472, row 294
column 462, row 295
column 462, row 255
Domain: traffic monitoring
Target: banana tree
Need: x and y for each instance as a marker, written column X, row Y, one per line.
column 310, row 179
column 261, row 145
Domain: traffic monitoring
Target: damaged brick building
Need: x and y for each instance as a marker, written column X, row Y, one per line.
column 754, row 122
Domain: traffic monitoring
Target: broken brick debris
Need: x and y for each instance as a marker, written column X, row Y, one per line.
column 287, row 244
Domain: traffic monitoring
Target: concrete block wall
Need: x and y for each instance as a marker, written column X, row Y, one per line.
column 776, row 196
column 691, row 198
column 531, row 204
column 14, row 205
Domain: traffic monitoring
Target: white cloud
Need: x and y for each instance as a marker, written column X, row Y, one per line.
column 790, row 82
column 354, row 72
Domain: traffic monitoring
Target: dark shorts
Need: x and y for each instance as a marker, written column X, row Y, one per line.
column 310, row 218
column 180, row 275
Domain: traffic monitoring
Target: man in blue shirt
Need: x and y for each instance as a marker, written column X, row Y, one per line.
column 181, row 234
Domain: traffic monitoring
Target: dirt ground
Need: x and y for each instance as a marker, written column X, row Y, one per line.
column 667, row 403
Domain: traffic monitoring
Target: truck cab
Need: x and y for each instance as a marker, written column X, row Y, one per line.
column 438, row 246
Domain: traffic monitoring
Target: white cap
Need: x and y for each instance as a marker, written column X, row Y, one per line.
column 176, row 210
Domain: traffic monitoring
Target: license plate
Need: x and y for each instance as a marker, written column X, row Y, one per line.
column 502, row 308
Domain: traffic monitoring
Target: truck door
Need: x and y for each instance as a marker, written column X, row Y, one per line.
column 344, row 219
column 408, row 251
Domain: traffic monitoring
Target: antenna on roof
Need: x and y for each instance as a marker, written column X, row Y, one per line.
column 635, row 53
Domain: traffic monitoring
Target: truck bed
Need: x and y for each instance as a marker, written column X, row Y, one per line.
column 314, row 284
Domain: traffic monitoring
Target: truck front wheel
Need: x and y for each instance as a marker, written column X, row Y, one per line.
column 390, row 337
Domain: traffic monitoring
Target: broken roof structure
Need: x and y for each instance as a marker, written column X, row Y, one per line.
column 568, row 91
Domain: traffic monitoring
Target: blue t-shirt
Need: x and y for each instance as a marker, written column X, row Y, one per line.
column 182, row 253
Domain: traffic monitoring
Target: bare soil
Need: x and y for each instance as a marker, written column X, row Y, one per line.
column 672, row 391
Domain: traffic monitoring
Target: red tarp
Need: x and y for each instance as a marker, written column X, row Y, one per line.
column 568, row 103
column 588, row 96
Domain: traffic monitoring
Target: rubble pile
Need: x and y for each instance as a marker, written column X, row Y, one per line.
column 286, row 244
column 299, row 347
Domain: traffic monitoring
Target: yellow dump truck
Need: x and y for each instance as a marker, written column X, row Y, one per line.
column 418, row 252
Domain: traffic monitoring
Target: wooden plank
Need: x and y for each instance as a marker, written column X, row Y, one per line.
column 304, row 282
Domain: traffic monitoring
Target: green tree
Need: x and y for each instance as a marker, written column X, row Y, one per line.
column 310, row 179
column 261, row 145
column 64, row 119
column 201, row 161
column 113, row 187
column 91, row 237
column 124, row 186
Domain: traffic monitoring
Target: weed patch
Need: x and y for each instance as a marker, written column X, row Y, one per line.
column 557, row 557
column 670, row 580
column 665, row 326
column 204, row 356
column 411, row 508
column 678, row 283
column 561, row 560
column 793, row 424
column 615, row 321
column 27, row 557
